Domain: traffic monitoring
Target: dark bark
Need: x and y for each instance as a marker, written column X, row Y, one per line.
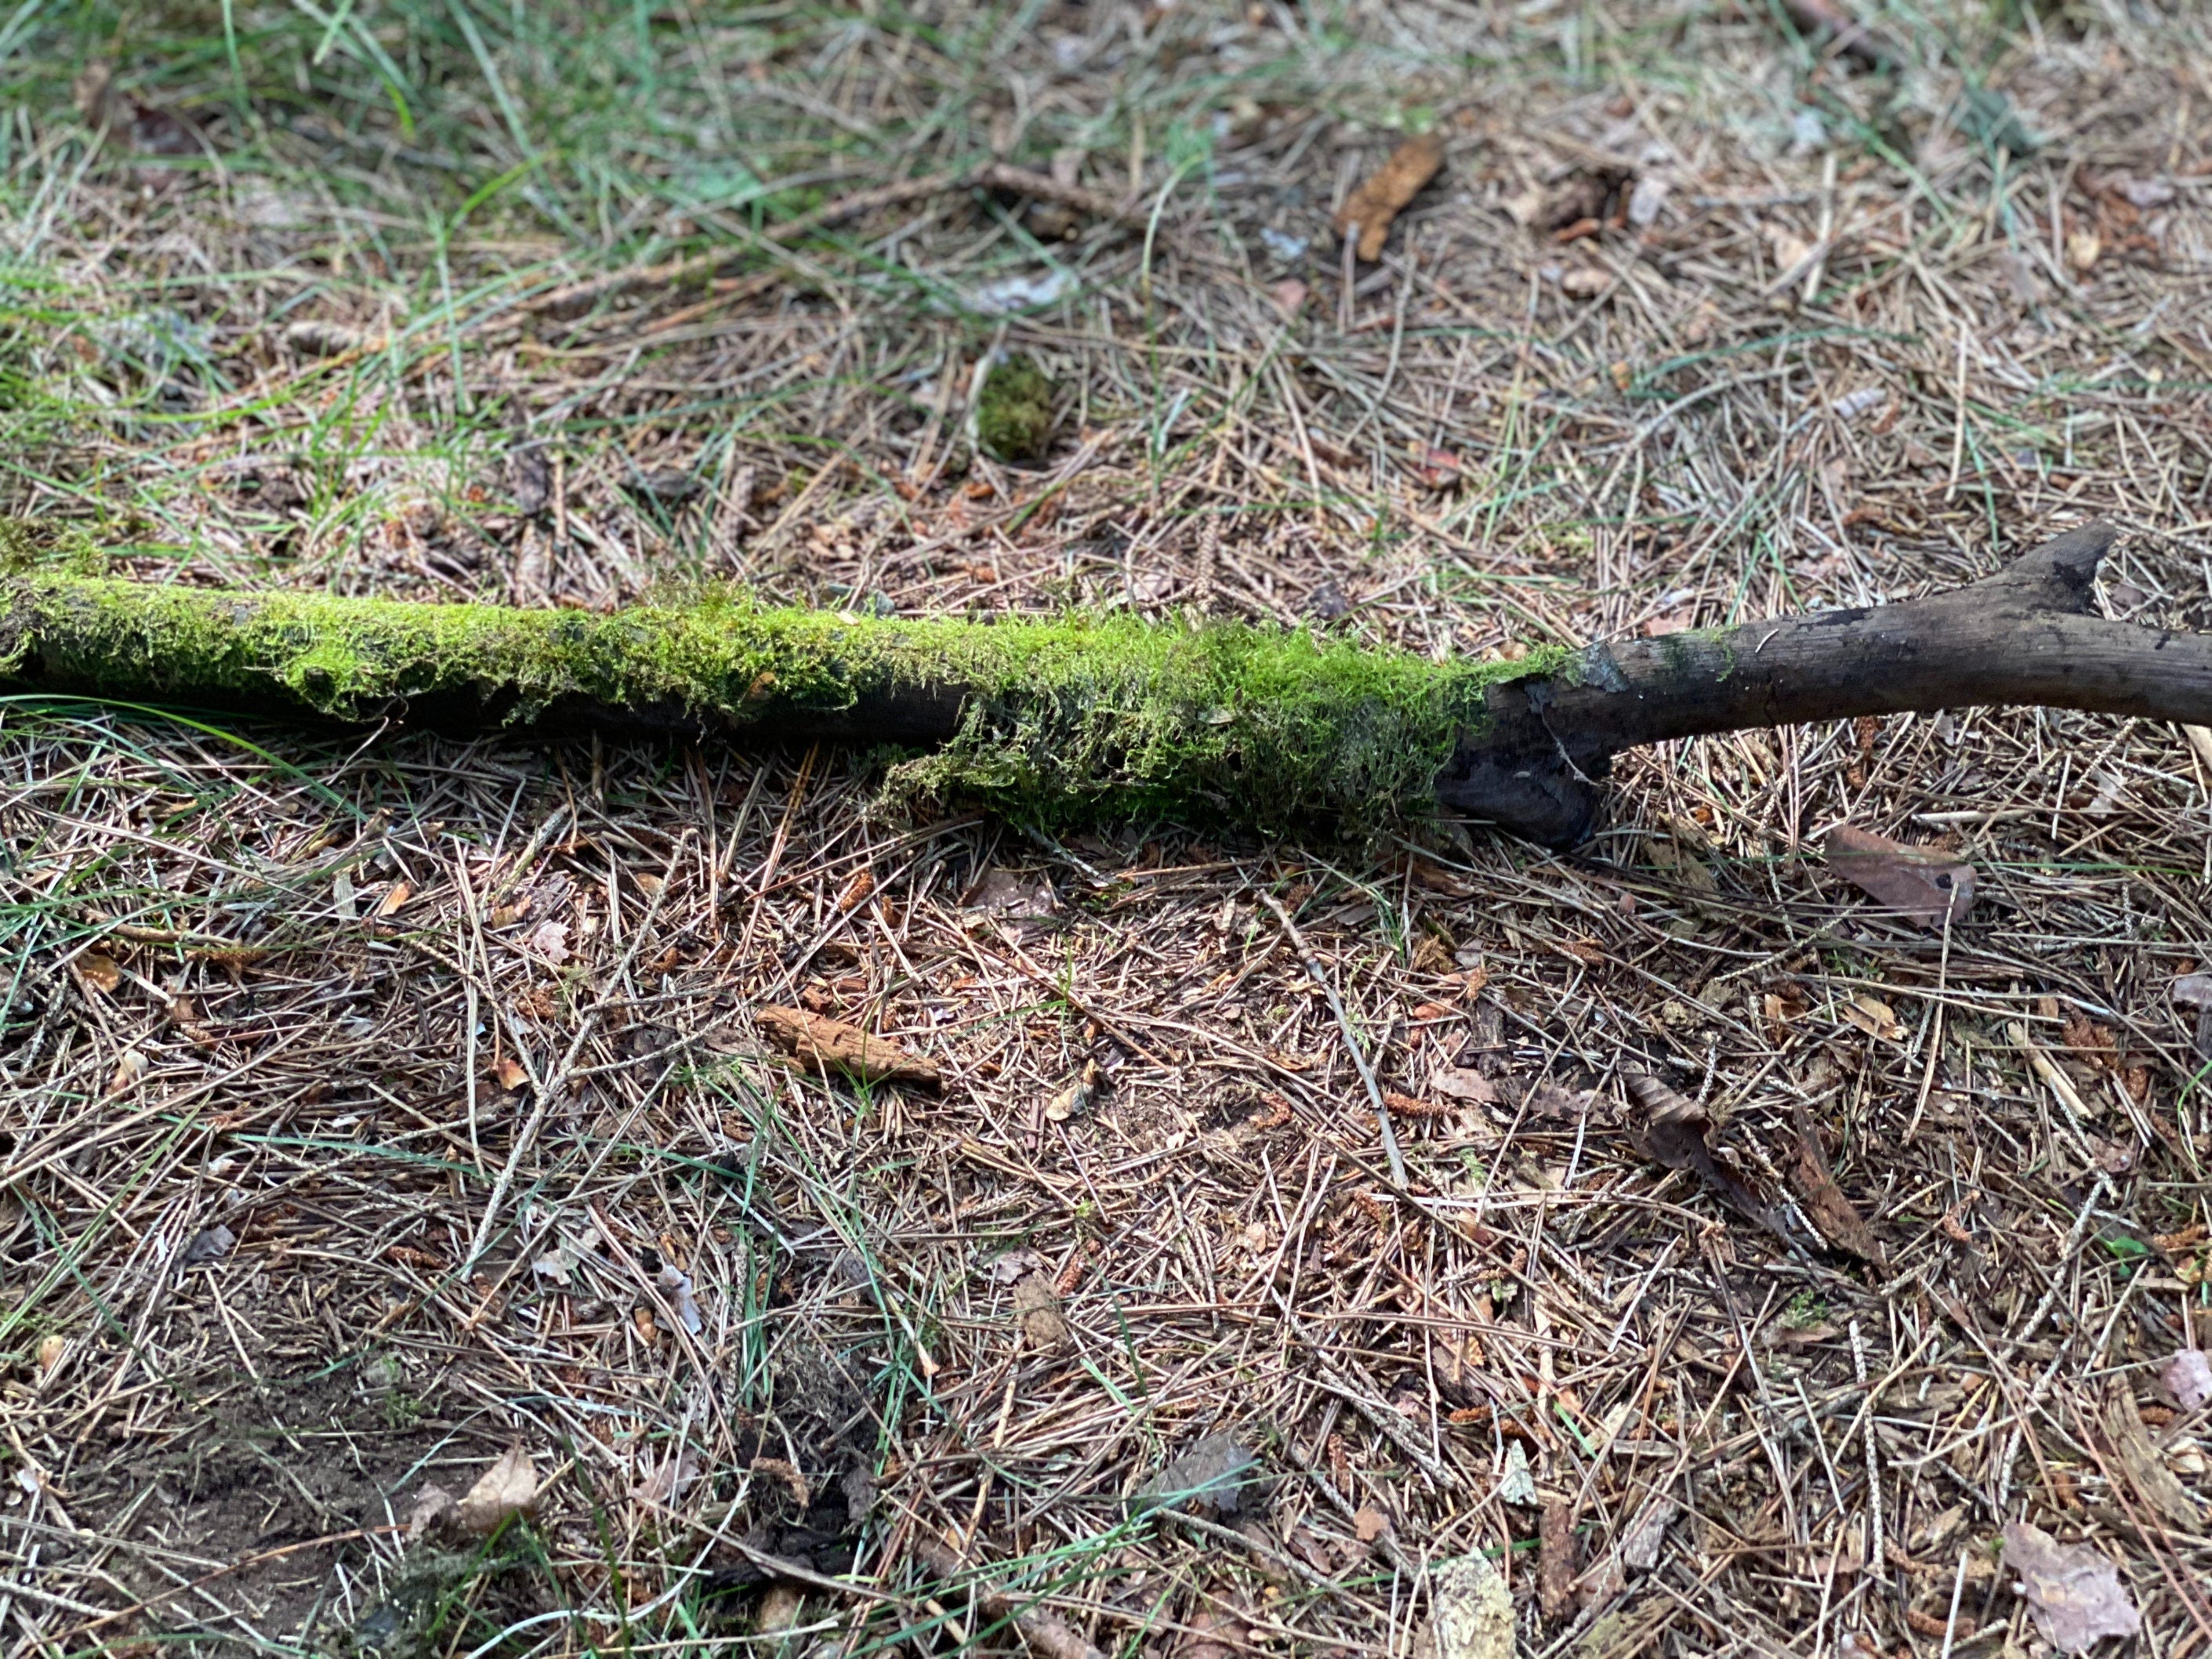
column 2021, row 636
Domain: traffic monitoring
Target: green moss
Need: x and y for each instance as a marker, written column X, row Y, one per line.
column 1014, row 410
column 1080, row 717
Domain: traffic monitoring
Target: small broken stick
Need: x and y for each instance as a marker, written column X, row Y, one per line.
column 826, row 1045
column 1380, row 197
column 1835, row 1216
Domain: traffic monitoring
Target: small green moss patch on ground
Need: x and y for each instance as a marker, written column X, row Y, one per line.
column 1013, row 411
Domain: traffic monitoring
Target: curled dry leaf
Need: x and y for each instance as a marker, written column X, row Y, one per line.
column 1836, row 1218
column 825, row 1045
column 1384, row 194
column 1470, row 1612
column 1924, row 884
column 398, row 895
column 508, row 1488
column 1670, row 1129
column 1074, row 1098
column 2075, row 1593
column 2187, row 1379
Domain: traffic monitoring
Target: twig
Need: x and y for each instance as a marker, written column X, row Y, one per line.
column 1350, row 1041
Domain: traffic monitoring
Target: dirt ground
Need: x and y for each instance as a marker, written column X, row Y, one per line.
column 372, row 1104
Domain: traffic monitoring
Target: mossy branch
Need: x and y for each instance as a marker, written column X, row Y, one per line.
column 1109, row 716
column 1065, row 718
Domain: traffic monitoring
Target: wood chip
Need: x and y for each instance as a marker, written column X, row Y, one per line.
column 1384, row 194
column 827, row 1045
column 1834, row 1215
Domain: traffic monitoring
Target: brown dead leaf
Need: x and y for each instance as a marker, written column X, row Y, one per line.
column 1370, row 1523
column 2074, row 1592
column 1922, row 882
column 825, row 1045
column 1213, row 1633
column 1834, row 1215
column 1670, row 1129
column 129, row 1067
column 1464, row 1083
column 1037, row 1307
column 398, row 895
column 100, row 972
column 1875, row 1017
column 508, row 1487
column 1384, row 194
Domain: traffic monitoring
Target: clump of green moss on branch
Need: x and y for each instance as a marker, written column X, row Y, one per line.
column 1067, row 718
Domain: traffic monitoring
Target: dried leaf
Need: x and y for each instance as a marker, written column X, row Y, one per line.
column 507, row 1488
column 1017, row 1265
column 2075, row 1593
column 1834, row 1215
column 1875, row 1017
column 1672, row 1131
column 1461, row 1083
column 549, row 940
column 1516, row 1484
column 2187, row 1379
column 210, row 1244
column 1211, row 1476
column 432, row 1505
column 1037, row 1307
column 398, row 895
column 1009, row 894
column 1384, row 194
column 1921, row 883
column 677, row 1284
column 825, row 1045
column 1074, row 1098
column 129, row 1067
column 1470, row 1612
column 100, row 972
column 1369, row 1524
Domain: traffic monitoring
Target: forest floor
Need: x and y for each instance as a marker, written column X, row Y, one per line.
column 373, row 1105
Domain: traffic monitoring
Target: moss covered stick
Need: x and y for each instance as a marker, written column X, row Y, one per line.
column 1066, row 718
